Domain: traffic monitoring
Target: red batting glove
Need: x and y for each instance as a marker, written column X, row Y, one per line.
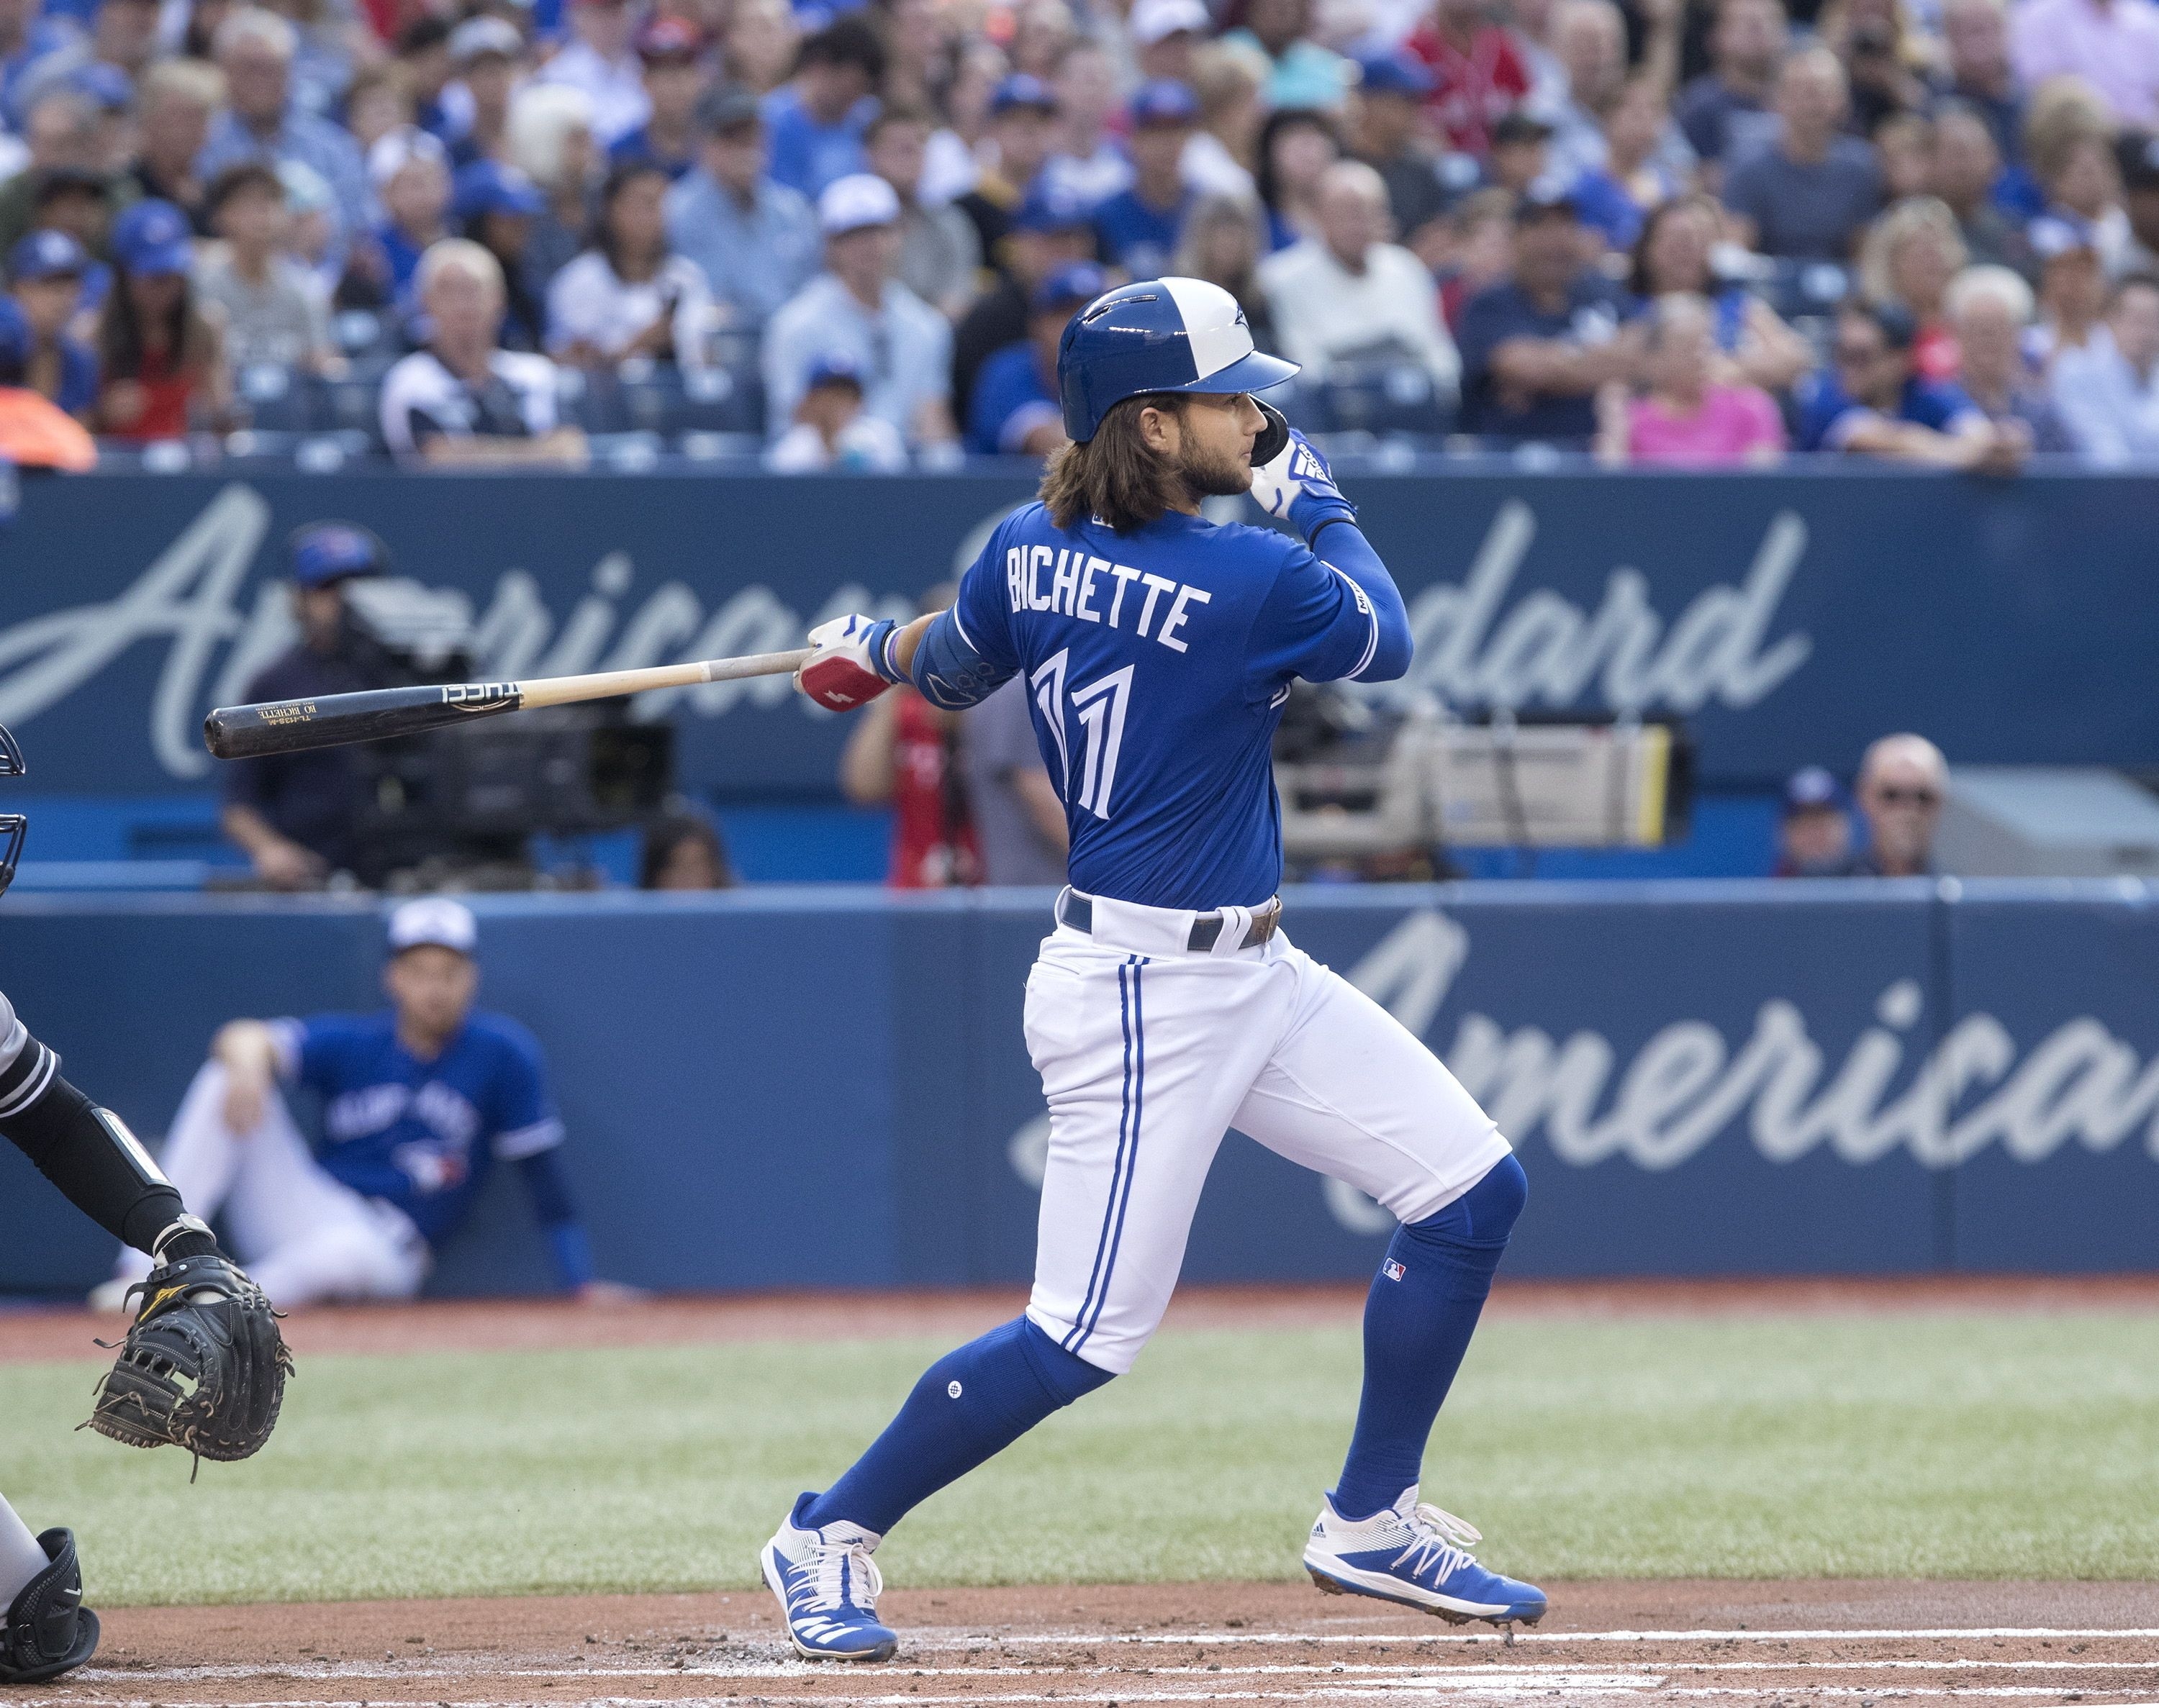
column 844, row 674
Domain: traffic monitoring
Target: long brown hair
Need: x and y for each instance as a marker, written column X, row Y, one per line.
column 1114, row 475
column 122, row 333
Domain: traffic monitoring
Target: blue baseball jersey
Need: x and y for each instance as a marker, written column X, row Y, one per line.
column 1010, row 399
column 1156, row 664
column 1137, row 235
column 421, row 1135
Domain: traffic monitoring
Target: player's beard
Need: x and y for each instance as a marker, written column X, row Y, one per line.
column 1206, row 476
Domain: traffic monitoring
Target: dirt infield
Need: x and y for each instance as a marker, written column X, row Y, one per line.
column 505, row 1325
column 1721, row 1645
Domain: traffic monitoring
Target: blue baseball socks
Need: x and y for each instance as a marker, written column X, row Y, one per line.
column 975, row 1401
column 1418, row 1318
column 970, row 1405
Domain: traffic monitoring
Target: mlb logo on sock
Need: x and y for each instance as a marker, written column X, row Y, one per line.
column 1392, row 1270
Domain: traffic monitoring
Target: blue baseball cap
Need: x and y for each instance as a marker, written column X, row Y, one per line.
column 47, row 254
column 1394, row 73
column 1811, row 788
column 1021, row 89
column 152, row 238
column 323, row 552
column 1068, row 287
column 106, row 87
column 835, row 368
column 489, row 186
column 1164, row 102
column 1051, row 207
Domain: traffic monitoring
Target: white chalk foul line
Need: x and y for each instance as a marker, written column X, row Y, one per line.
column 1946, row 1633
column 1390, row 1692
column 1550, row 1673
column 750, row 1670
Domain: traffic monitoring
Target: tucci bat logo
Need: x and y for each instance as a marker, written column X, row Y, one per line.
column 481, row 696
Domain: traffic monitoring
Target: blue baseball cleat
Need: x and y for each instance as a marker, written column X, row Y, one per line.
column 1417, row 1555
column 828, row 1588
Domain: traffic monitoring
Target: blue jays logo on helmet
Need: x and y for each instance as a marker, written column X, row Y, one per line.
column 1157, row 335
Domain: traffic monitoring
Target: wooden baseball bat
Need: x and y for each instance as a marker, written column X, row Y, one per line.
column 291, row 726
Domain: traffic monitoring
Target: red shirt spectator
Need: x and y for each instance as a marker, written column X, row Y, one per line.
column 1478, row 70
column 933, row 839
column 1934, row 352
column 903, row 752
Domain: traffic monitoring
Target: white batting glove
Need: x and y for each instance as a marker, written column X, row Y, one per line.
column 1298, row 485
column 849, row 668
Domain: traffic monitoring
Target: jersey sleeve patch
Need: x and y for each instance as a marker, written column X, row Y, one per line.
column 1371, row 620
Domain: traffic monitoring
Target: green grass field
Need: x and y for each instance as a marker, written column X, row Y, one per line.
column 1919, row 1445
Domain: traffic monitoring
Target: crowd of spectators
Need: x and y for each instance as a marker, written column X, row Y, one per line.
column 1694, row 232
column 1903, row 784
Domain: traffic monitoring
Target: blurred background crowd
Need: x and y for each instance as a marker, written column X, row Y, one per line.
column 1704, row 231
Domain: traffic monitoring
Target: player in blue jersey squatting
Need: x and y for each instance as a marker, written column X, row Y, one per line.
column 1168, row 1005
column 418, row 1101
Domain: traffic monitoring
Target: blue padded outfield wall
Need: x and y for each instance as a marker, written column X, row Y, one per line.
column 1791, row 617
column 1706, row 1079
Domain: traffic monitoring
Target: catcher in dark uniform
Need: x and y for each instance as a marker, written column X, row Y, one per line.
column 204, row 1366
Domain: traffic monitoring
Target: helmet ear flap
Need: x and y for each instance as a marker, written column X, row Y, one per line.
column 1071, row 385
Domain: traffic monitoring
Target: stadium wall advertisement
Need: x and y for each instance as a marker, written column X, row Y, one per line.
column 1742, row 1078
column 1790, row 617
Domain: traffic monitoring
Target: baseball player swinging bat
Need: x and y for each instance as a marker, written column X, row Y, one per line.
column 291, row 726
column 1156, row 648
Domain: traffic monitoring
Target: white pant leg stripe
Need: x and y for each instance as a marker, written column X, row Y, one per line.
column 1136, row 1083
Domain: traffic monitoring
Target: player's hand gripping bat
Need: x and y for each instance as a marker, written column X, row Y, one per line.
column 289, row 726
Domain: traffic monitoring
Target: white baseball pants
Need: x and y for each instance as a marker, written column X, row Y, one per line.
column 305, row 1236
column 1148, row 1053
column 21, row 1558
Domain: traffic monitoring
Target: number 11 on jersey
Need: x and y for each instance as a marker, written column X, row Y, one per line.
column 1101, row 707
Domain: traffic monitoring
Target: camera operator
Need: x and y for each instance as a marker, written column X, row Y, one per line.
column 295, row 814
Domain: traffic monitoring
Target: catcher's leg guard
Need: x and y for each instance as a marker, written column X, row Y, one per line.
column 48, row 1630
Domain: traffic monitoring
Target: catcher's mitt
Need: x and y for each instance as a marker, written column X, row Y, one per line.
column 202, row 1367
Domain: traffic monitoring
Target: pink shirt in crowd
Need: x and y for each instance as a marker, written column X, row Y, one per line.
column 2112, row 44
column 1733, row 421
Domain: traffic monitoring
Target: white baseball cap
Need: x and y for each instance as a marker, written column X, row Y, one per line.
column 395, row 150
column 1154, row 20
column 485, row 34
column 858, row 199
column 433, row 922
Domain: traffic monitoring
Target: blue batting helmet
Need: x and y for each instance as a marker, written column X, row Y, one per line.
column 1157, row 335
column 323, row 553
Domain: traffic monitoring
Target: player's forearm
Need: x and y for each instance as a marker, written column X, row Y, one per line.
column 941, row 663
column 86, row 1151
column 1342, row 546
column 553, row 1208
column 909, row 639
